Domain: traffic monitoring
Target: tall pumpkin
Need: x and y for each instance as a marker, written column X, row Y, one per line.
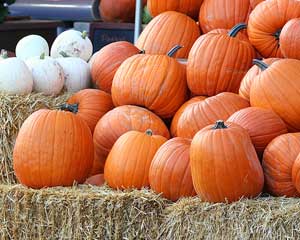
column 277, row 88
column 278, row 160
column 53, row 148
column 200, row 114
column 224, row 164
column 165, row 31
column 266, row 22
column 128, row 163
column 218, row 62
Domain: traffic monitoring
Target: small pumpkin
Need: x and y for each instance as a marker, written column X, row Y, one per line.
column 95, row 180
column 224, row 164
column 128, row 163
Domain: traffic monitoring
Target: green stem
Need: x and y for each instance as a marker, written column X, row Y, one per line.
column 277, row 34
column 262, row 65
column 4, row 53
column 70, row 107
column 236, row 29
column 43, row 55
column 219, row 125
column 142, row 52
column 174, row 50
column 149, row 132
column 84, row 34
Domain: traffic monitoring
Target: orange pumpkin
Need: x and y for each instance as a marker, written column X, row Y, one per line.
column 53, row 148
column 96, row 180
column 263, row 125
column 229, row 60
column 128, row 163
column 278, row 160
column 165, row 31
column 254, row 3
column 98, row 164
column 90, row 105
column 296, row 173
column 107, row 61
column 224, row 164
column 200, row 114
column 170, row 172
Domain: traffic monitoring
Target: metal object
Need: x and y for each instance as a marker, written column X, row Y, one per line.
column 138, row 19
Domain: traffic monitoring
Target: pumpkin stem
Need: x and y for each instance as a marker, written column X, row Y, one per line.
column 64, row 54
column 4, row 53
column 43, row 55
column 174, row 50
column 142, row 52
column 236, row 29
column 149, row 132
column 84, row 34
column 262, row 65
column 219, row 125
column 277, row 34
column 70, row 107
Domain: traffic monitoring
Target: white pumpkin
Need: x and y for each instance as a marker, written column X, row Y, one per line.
column 15, row 77
column 48, row 75
column 74, row 44
column 31, row 46
column 77, row 73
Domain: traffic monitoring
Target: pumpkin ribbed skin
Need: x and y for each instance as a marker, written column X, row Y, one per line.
column 228, row 60
column 266, row 20
column 223, row 14
column 296, row 173
column 278, row 161
column 98, row 164
column 263, row 125
column 200, row 114
column 156, row 82
column 53, row 148
column 224, row 164
column 277, row 88
column 92, row 105
column 165, row 31
column 107, row 61
column 290, row 39
column 254, row 3
column 96, row 180
column 170, row 172
column 128, row 163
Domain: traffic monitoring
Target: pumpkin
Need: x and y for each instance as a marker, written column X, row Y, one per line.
column 48, row 75
column 31, row 46
column 247, row 81
column 108, row 60
column 278, row 160
column 263, row 125
column 189, row 7
column 157, row 82
column 95, row 180
column 170, row 172
column 90, row 105
column 224, row 164
column 254, row 3
column 121, row 120
column 295, row 173
column 266, row 22
column 98, row 165
column 53, row 148
column 241, row 34
column 290, row 39
column 173, row 128
column 276, row 88
column 15, row 77
column 165, row 31
column 229, row 60
column 128, row 163
column 200, row 114
column 223, row 14
column 74, row 44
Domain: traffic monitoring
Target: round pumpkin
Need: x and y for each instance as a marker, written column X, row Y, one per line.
column 170, row 172
column 165, row 31
column 224, row 164
column 266, row 22
column 128, row 163
column 295, row 173
column 200, row 114
column 90, row 105
column 53, row 148
column 95, row 180
column 107, row 61
column 228, row 60
column 278, row 160
column 277, row 88
column 263, row 125
column 290, row 39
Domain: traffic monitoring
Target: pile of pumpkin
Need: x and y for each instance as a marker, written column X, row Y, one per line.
column 235, row 127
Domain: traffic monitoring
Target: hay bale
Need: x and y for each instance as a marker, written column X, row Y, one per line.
column 14, row 109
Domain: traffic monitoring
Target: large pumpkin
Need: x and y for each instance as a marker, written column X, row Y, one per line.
column 165, row 31
column 200, row 114
column 128, row 163
column 53, row 148
column 107, row 61
column 278, row 161
column 263, row 125
column 266, row 22
column 170, row 172
column 277, row 88
column 224, row 164
column 218, row 62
